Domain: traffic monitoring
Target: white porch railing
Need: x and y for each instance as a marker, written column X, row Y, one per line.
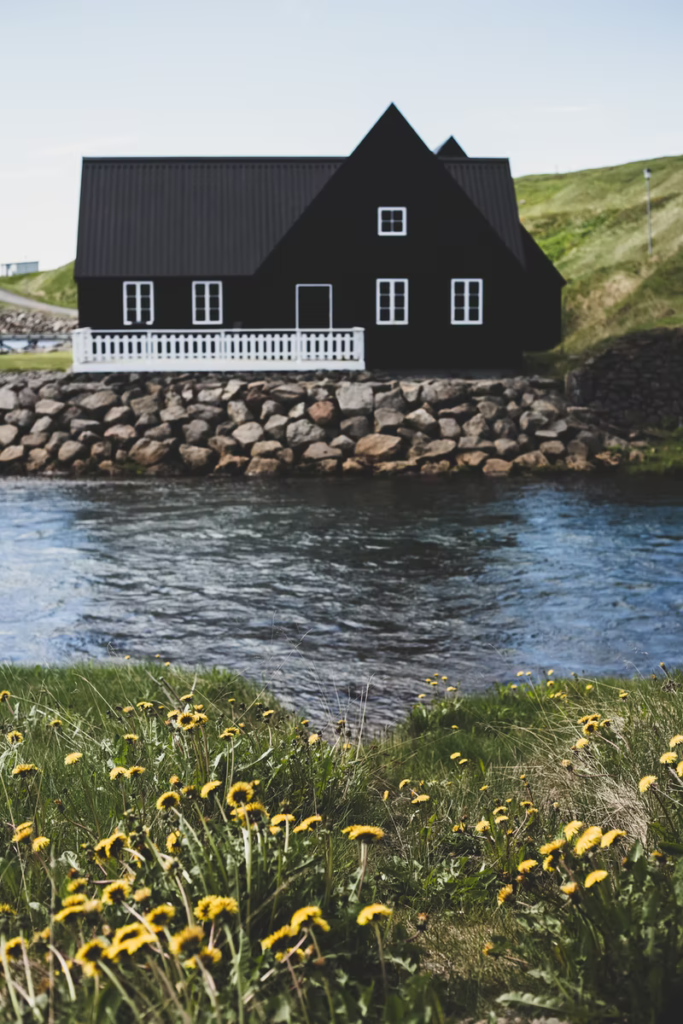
column 97, row 351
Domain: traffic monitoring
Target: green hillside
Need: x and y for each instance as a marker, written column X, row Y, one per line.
column 593, row 225
column 54, row 286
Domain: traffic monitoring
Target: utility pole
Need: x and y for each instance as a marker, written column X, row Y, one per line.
column 647, row 175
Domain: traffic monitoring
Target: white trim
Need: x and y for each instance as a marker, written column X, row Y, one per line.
column 468, row 319
column 392, row 209
column 392, row 321
column 296, row 304
column 233, row 349
column 137, row 286
column 205, row 285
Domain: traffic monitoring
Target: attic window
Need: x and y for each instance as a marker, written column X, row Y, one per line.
column 392, row 300
column 138, row 303
column 392, row 220
column 207, row 302
column 467, row 300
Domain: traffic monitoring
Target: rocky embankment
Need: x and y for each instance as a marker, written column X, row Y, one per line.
column 178, row 424
column 16, row 323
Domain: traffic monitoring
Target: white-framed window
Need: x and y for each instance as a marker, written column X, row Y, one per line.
column 392, row 300
column 138, row 303
column 392, row 220
column 467, row 300
column 207, row 302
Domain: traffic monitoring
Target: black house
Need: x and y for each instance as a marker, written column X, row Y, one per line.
column 185, row 258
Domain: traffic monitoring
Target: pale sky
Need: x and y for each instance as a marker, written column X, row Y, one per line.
column 553, row 86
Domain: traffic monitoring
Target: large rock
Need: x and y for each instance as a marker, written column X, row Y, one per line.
column 22, row 418
column 146, row 405
column 344, row 443
column 71, row 450
column 392, row 400
column 591, row 438
column 378, row 447
column 300, row 433
column 490, row 409
column 387, row 421
column 27, row 398
column 259, row 466
column 578, row 448
column 506, row 448
column 79, row 424
column 275, row 426
column 118, row 414
column 355, row 399
column 43, row 425
column 37, row 460
column 477, row 427
column 271, row 408
column 267, row 449
column 8, row 434
column 476, row 443
column 297, row 412
column 472, row 460
column 175, row 412
column 248, row 434
column 56, row 441
column 35, row 440
column 449, row 427
column 442, row 392
column 231, row 465
column 48, row 407
column 161, row 433
column 97, row 402
column 11, row 455
column 579, row 464
column 197, row 459
column 121, row 432
column 288, row 393
column 505, row 427
column 530, row 421
column 497, row 467
column 437, row 450
column 421, row 419
column 322, row 413
column 411, row 392
column 210, row 396
column 552, row 450
column 355, row 427
column 239, row 412
column 226, row 445
column 147, row 452
column 321, row 450
column 196, row 432
column 8, row 399
column 531, row 461
column 210, row 413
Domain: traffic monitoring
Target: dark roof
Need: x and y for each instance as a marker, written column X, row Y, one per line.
column 488, row 183
column 450, row 148
column 188, row 217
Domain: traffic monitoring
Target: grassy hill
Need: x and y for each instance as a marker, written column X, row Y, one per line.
column 54, row 286
column 592, row 224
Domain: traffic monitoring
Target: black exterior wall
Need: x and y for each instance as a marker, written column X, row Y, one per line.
column 335, row 241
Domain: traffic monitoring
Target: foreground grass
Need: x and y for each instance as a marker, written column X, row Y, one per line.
column 133, row 793
column 56, row 287
column 21, row 361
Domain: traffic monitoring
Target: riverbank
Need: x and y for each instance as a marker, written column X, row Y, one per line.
column 503, row 836
column 183, row 424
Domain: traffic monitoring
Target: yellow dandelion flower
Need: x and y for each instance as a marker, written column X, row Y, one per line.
column 142, row 895
column 589, row 688
column 117, row 772
column 208, row 956
column 267, row 714
column 23, row 771
column 40, row 843
column 308, row 916
column 372, row 911
column 279, row 819
column 668, row 758
column 55, row 723
column 593, row 877
column 160, row 916
column 421, row 696
column 549, row 863
column 229, row 733
column 305, row 825
column 482, row 826
column 313, row 739
column 366, row 833
column 646, row 782
column 504, row 894
column 482, row 788
column 572, row 829
column 77, row 885
column 581, row 744
column 135, row 769
column 4, row 696
column 553, row 847
column 173, row 842
column 189, row 940
column 385, row 795
column 22, row 833
column 456, row 755
column 609, row 837
column 403, row 782
column 131, row 737
column 623, row 695
column 128, row 710
column 500, row 819
column 116, row 892
column 569, row 888
column 587, row 840
column 208, row 788
column 676, row 740
column 168, row 800
column 455, row 727
column 282, row 935
column 14, row 949
column 240, row 793
column 14, row 737
column 679, row 769
column 421, row 799
column 526, row 866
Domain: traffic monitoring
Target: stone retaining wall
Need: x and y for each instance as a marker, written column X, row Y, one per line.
column 638, row 381
column 179, row 424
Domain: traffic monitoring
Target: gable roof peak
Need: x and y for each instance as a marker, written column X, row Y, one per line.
column 450, row 148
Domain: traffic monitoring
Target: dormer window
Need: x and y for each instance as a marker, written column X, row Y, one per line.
column 392, row 220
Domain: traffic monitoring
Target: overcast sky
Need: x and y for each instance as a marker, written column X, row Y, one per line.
column 554, row 86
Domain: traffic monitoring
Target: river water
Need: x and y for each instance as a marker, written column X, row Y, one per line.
column 326, row 589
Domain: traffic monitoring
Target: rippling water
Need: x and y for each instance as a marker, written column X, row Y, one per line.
column 319, row 587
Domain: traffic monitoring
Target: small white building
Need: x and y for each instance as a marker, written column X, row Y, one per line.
column 10, row 269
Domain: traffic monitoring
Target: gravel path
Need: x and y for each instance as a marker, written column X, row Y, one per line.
column 21, row 300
